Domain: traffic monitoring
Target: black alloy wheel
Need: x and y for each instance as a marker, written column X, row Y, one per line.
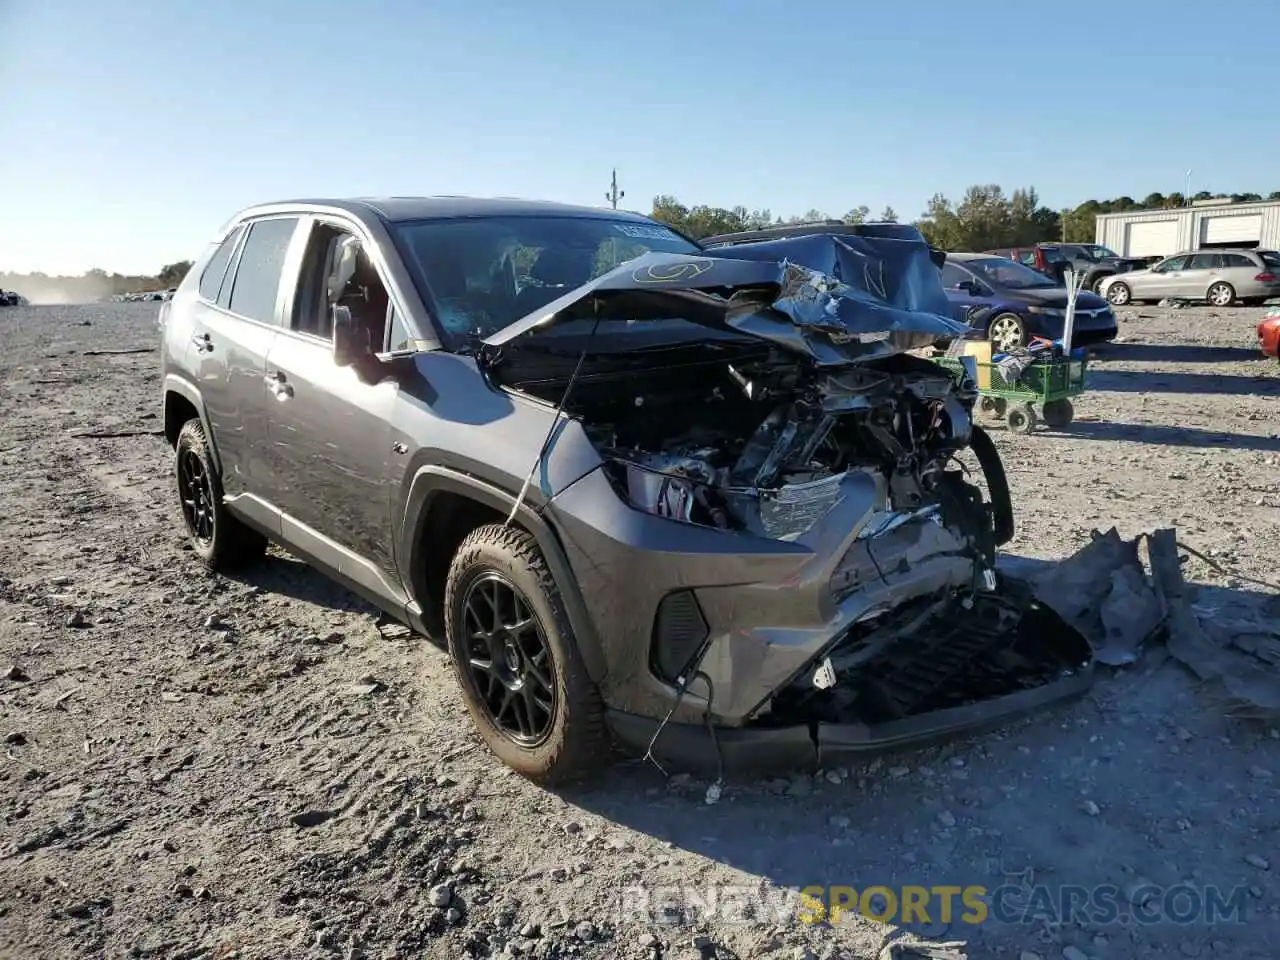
column 196, row 490
column 509, row 660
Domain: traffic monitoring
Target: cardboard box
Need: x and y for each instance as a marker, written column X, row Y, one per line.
column 980, row 350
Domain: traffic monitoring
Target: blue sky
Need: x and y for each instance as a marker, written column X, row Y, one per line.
column 131, row 130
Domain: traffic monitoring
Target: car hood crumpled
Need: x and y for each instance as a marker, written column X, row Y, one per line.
column 836, row 298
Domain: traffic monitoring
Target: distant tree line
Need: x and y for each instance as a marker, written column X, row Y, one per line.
column 985, row 218
column 93, row 285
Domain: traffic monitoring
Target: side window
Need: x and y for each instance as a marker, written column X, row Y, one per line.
column 338, row 271
column 1240, row 260
column 1027, row 257
column 398, row 336
column 216, row 269
column 1205, row 261
column 257, row 279
column 952, row 276
column 1170, row 265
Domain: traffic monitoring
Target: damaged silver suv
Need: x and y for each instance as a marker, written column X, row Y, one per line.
column 696, row 502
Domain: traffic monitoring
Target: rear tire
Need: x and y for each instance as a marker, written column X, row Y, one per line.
column 534, row 705
column 1118, row 294
column 219, row 539
column 1220, row 294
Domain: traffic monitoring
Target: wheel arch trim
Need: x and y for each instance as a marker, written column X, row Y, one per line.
column 431, row 480
column 191, row 393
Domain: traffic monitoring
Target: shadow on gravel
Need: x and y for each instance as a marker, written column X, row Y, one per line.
column 1166, row 436
column 952, row 814
column 1176, row 353
column 1125, row 381
column 293, row 578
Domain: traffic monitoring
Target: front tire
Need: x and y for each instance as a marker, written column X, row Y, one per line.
column 1006, row 333
column 1221, row 294
column 1022, row 419
column 516, row 659
column 1118, row 294
column 220, row 540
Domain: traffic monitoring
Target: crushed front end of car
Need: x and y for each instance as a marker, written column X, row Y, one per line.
column 782, row 556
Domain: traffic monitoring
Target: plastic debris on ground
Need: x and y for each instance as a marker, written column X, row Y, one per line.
column 1121, row 605
column 953, row 950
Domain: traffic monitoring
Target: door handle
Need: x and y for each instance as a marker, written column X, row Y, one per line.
column 202, row 341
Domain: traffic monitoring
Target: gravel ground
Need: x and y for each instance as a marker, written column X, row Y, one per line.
column 196, row 765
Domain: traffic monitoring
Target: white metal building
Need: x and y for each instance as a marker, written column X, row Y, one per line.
column 1206, row 224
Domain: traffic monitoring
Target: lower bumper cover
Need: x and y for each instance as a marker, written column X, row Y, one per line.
column 761, row 750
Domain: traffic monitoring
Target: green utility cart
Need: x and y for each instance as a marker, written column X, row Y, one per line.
column 1041, row 391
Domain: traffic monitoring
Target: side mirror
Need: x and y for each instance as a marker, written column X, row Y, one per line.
column 970, row 287
column 350, row 344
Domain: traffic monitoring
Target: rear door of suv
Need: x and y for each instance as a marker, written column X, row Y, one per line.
column 234, row 323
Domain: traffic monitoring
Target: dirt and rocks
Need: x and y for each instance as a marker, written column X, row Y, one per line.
column 202, row 767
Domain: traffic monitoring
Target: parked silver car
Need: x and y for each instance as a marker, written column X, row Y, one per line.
column 1218, row 276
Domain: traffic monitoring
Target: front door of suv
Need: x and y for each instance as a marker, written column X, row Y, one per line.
column 330, row 437
column 233, row 326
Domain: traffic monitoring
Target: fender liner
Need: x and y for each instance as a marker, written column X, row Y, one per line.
column 430, row 480
column 984, row 449
column 191, row 393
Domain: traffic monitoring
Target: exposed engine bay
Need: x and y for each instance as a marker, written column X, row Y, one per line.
column 758, row 442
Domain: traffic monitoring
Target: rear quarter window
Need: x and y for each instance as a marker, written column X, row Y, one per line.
column 216, row 269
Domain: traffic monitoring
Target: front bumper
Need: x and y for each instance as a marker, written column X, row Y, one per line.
column 765, row 613
column 760, row 750
column 1269, row 337
column 766, row 606
column 1088, row 330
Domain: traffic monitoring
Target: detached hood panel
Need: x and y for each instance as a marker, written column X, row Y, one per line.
column 837, row 299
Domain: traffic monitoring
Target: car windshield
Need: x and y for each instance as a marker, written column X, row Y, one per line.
column 1270, row 258
column 1009, row 274
column 1099, row 252
column 485, row 273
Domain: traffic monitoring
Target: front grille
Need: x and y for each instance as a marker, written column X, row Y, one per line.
column 965, row 657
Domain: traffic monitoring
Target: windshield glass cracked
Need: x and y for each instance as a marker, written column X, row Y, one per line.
column 704, row 502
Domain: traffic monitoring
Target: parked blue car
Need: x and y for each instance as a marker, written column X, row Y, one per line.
column 1011, row 303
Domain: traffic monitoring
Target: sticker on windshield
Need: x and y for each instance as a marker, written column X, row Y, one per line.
column 640, row 231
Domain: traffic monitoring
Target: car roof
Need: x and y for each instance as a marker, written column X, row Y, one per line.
column 1190, row 253
column 962, row 257
column 399, row 209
